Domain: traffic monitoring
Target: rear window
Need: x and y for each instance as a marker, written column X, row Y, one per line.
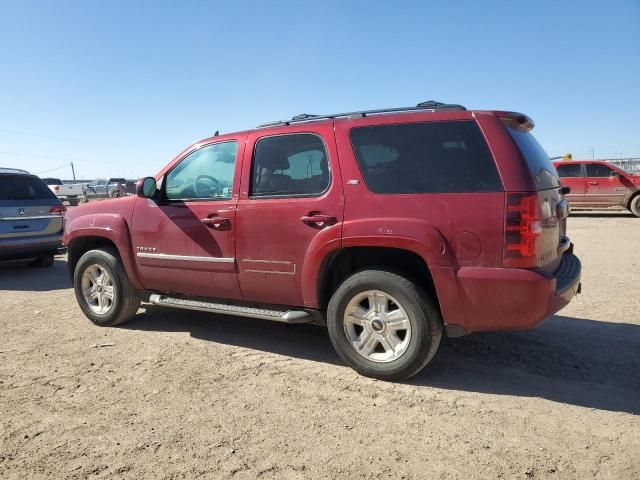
column 571, row 170
column 434, row 157
column 539, row 163
column 22, row 187
column 52, row 181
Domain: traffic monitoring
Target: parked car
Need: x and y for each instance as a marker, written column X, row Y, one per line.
column 390, row 227
column 69, row 192
column 596, row 184
column 101, row 188
column 31, row 219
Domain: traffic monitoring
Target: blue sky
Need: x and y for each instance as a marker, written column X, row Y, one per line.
column 119, row 87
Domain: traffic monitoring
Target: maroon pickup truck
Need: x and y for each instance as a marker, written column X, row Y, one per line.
column 391, row 227
column 596, row 184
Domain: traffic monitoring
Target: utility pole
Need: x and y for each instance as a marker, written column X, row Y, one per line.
column 73, row 171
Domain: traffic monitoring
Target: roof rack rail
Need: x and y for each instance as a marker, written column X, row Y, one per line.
column 305, row 117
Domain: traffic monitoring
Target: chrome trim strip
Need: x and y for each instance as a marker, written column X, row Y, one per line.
column 185, row 258
column 267, row 271
column 265, row 261
column 24, row 217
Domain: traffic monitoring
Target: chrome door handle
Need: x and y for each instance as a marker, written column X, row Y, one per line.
column 216, row 222
column 318, row 220
column 593, row 183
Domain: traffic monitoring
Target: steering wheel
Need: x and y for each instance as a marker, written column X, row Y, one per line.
column 203, row 190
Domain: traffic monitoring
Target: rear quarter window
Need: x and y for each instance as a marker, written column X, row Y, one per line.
column 539, row 163
column 434, row 157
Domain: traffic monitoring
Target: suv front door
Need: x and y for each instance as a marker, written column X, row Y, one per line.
column 291, row 207
column 184, row 240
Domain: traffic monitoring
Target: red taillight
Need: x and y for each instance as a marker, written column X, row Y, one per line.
column 522, row 230
column 61, row 209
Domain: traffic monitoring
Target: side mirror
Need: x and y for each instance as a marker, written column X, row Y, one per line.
column 146, row 187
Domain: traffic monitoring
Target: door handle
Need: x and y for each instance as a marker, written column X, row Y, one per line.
column 216, row 222
column 318, row 219
column 593, row 183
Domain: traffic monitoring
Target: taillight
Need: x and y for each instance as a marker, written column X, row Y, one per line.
column 61, row 209
column 522, row 230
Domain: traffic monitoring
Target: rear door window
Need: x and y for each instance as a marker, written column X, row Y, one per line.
column 22, row 187
column 434, row 157
column 539, row 163
column 571, row 170
column 292, row 165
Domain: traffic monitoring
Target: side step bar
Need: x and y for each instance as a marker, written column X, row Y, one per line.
column 289, row 316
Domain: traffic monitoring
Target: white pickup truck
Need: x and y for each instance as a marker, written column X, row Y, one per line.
column 70, row 192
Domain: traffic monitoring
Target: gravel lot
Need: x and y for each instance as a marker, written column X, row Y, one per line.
column 186, row 395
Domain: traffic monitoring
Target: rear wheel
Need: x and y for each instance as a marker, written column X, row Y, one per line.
column 74, row 202
column 383, row 325
column 634, row 206
column 103, row 290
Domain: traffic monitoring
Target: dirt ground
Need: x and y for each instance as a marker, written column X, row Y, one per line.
column 188, row 395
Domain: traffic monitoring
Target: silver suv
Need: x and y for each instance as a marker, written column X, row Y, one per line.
column 31, row 219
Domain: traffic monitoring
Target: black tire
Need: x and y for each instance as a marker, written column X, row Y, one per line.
column 424, row 318
column 44, row 261
column 74, row 202
column 634, row 205
column 115, row 193
column 125, row 302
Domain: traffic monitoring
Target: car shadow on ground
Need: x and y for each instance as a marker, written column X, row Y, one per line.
column 573, row 361
column 21, row 277
column 602, row 214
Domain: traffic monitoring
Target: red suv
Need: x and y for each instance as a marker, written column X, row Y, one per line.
column 390, row 227
column 600, row 184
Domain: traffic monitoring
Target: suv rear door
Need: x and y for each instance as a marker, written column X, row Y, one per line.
column 572, row 176
column 290, row 208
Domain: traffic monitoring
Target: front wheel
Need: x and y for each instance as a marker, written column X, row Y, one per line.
column 103, row 290
column 634, row 206
column 383, row 325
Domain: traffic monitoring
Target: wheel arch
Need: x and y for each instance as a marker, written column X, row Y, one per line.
column 632, row 197
column 344, row 262
column 100, row 231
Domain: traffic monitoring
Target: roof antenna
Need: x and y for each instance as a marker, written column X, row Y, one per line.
column 217, row 133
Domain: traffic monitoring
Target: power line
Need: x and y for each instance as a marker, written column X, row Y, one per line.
column 76, row 140
column 53, row 169
column 24, row 154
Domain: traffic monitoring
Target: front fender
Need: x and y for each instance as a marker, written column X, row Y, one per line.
column 110, row 226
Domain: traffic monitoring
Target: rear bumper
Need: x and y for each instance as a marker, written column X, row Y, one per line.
column 516, row 299
column 11, row 249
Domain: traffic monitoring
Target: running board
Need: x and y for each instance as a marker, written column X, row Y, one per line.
column 289, row 316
